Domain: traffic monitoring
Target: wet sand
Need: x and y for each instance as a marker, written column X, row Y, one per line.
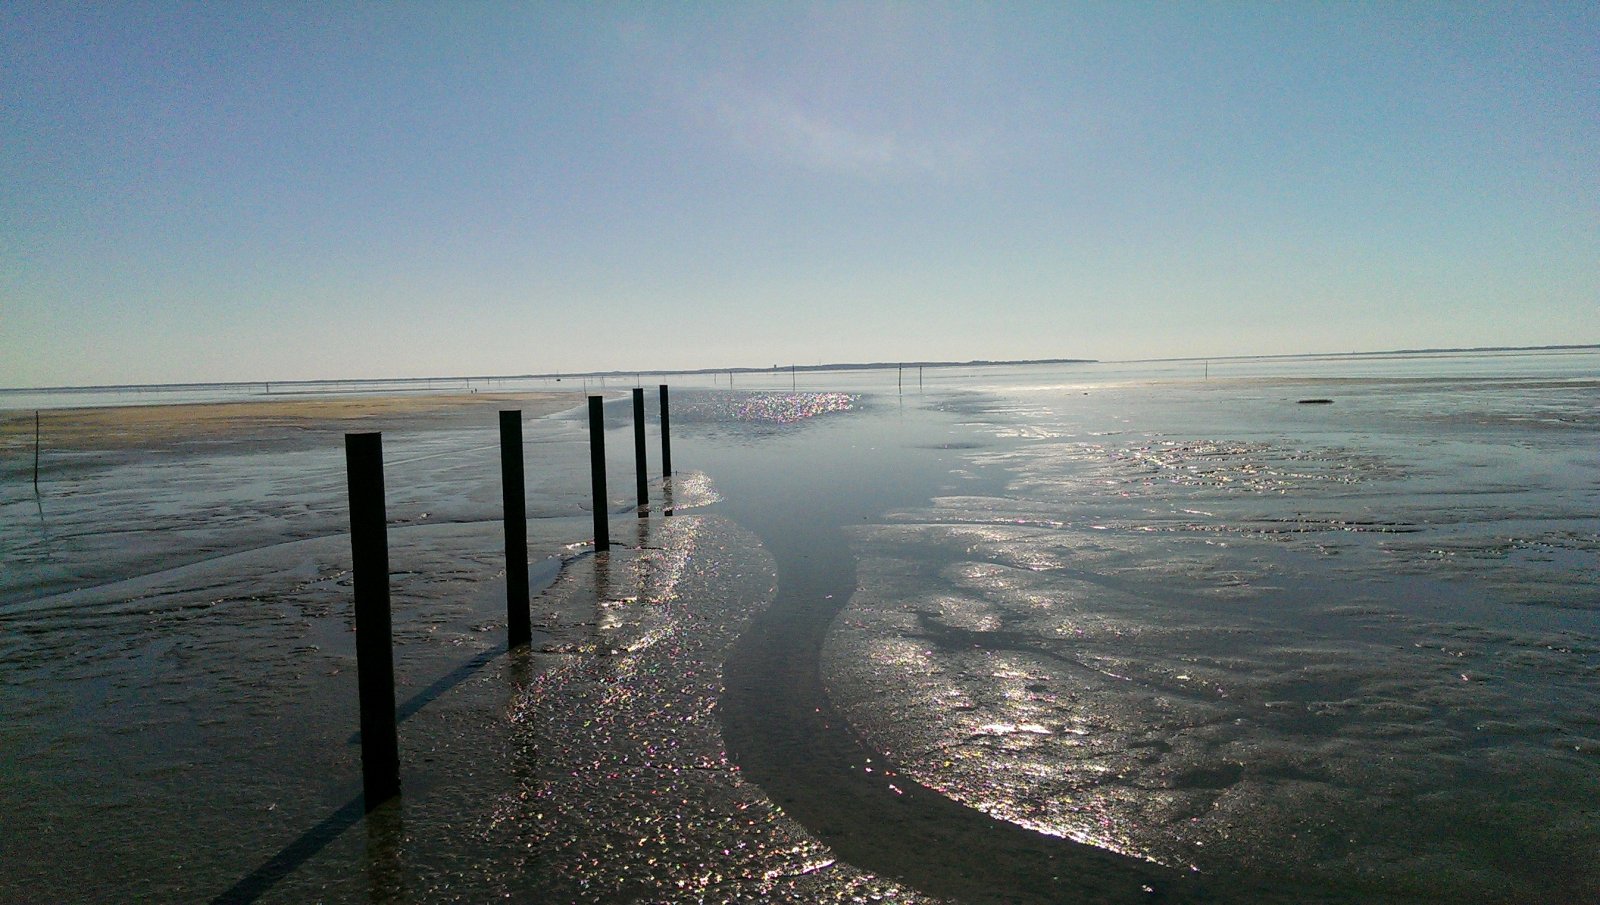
column 128, row 489
column 254, row 421
column 1048, row 674
column 178, row 643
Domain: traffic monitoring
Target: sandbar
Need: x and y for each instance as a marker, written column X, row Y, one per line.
column 160, row 426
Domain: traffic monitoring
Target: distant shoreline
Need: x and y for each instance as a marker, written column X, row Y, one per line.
column 464, row 381
column 1391, row 353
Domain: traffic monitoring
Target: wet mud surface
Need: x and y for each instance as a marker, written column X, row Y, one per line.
column 1004, row 642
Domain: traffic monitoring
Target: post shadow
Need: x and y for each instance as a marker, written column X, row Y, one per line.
column 259, row 881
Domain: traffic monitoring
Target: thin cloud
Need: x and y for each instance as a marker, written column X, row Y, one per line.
column 769, row 124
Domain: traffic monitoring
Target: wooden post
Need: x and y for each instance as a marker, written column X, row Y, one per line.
column 369, row 546
column 642, row 480
column 36, row 452
column 597, row 472
column 519, row 629
column 666, row 442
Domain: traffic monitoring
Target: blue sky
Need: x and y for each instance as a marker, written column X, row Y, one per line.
column 274, row 191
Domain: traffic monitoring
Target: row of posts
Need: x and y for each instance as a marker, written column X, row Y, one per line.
column 369, row 546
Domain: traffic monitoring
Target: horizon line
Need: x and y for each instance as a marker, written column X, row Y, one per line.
column 831, row 366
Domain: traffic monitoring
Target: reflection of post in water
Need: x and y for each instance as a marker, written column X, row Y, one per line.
column 602, row 577
column 666, row 495
column 519, row 671
column 386, row 831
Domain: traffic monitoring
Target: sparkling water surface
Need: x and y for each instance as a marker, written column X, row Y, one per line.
column 1103, row 632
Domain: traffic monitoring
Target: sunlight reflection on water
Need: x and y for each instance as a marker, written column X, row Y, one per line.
column 1348, row 650
column 1353, row 648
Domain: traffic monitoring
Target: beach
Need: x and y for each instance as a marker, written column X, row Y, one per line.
column 1004, row 635
column 261, row 419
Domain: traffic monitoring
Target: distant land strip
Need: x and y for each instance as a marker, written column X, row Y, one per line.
column 1473, row 350
column 853, row 366
column 464, row 380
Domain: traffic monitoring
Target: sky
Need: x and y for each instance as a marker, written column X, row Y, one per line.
column 277, row 191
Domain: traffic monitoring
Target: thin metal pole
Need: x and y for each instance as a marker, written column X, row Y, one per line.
column 666, row 439
column 35, row 452
column 640, row 465
column 597, row 472
column 369, row 546
column 519, row 629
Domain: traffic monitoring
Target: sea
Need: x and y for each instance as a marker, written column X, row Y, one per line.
column 1296, row 629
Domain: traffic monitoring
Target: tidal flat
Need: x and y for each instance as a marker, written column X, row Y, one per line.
column 980, row 635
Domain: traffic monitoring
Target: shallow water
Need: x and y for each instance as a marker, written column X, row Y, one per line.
column 181, row 705
column 1342, row 651
column 1112, row 633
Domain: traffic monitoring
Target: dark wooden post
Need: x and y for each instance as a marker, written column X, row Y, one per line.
column 666, row 442
column 519, row 629
column 597, row 472
column 369, row 546
column 642, row 480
